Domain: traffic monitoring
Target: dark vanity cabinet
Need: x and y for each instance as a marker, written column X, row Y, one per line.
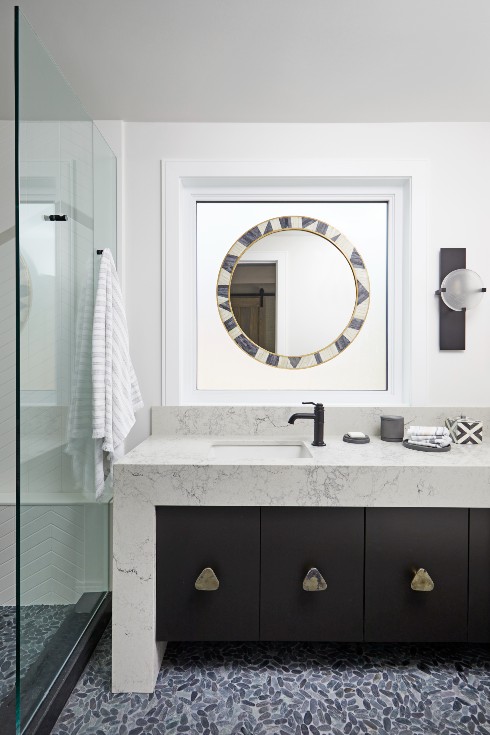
column 323, row 574
column 191, row 540
column 399, row 542
column 327, row 541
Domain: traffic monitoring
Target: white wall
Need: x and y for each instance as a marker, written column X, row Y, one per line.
column 458, row 155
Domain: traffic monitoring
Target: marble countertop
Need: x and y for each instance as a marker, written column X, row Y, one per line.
column 196, row 450
column 181, row 470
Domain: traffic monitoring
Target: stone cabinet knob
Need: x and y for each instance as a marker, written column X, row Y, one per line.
column 314, row 581
column 422, row 581
column 207, row 581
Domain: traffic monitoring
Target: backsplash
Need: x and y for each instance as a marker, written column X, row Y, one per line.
column 273, row 420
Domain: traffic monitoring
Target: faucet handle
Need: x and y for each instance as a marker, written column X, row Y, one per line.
column 311, row 403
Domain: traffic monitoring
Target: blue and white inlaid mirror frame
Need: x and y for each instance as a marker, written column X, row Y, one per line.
column 333, row 238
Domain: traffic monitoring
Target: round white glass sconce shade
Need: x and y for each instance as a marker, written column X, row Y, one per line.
column 463, row 289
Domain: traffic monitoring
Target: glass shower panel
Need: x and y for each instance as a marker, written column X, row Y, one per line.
column 66, row 180
column 7, row 415
column 105, row 201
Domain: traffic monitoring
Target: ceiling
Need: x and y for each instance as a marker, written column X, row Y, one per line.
column 264, row 60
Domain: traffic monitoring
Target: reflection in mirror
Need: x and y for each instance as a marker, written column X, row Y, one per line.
column 293, row 292
column 253, row 292
column 38, row 300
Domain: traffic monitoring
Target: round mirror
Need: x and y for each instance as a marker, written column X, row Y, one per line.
column 293, row 292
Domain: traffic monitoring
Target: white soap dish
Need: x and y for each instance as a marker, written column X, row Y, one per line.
column 356, row 437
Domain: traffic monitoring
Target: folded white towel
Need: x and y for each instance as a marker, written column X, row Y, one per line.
column 427, row 431
column 116, row 394
column 437, row 442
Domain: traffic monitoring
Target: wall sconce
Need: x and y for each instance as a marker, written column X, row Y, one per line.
column 461, row 289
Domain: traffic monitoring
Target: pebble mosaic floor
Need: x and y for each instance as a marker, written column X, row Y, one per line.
column 39, row 623
column 290, row 689
column 7, row 650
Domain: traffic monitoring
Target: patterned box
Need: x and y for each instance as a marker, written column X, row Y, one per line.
column 464, row 430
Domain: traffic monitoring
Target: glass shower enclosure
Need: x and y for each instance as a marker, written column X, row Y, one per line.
column 66, row 211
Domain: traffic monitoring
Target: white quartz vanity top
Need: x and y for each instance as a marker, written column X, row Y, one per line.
column 179, row 471
column 195, row 450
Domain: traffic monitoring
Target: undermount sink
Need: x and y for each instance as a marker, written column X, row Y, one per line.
column 260, row 450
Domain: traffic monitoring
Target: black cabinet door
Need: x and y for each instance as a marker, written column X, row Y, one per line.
column 295, row 540
column 191, row 539
column 399, row 541
column 479, row 582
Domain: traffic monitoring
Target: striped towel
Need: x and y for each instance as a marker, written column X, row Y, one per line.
column 429, row 436
column 116, row 394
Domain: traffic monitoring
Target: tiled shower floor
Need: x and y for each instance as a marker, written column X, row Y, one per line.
column 39, row 623
column 290, row 689
column 7, row 650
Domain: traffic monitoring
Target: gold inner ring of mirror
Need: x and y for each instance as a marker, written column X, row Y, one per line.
column 306, row 354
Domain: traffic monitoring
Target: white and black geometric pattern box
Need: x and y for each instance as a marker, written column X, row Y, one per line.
column 464, row 430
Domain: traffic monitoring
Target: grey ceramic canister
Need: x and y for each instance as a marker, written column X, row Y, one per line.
column 392, row 428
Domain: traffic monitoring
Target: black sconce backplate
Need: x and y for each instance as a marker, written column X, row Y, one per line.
column 452, row 324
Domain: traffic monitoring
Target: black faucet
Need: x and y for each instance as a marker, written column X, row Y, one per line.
column 318, row 417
